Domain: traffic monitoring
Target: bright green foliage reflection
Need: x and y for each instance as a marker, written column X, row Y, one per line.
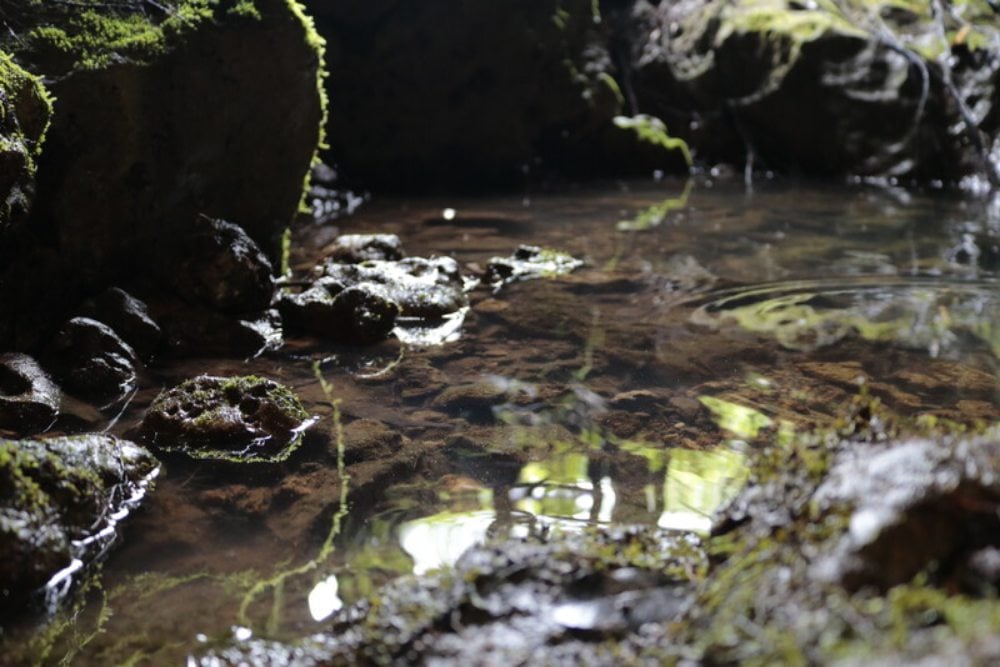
column 697, row 484
column 742, row 421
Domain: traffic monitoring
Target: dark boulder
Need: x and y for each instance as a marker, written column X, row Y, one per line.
column 165, row 111
column 457, row 94
column 29, row 400
column 128, row 316
column 219, row 266
column 90, row 360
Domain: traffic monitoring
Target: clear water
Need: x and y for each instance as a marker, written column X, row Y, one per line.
column 629, row 391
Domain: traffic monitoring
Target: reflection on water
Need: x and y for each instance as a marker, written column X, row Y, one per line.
column 561, row 490
column 942, row 317
column 744, row 422
column 437, row 541
column 631, row 391
column 697, row 484
column 324, row 599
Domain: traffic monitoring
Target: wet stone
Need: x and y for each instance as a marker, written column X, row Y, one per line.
column 239, row 419
column 90, row 360
column 912, row 503
column 475, row 401
column 523, row 602
column 423, row 288
column 29, row 400
column 128, row 316
column 361, row 314
column 369, row 439
column 357, row 248
column 220, row 266
column 529, row 262
column 60, row 499
column 190, row 330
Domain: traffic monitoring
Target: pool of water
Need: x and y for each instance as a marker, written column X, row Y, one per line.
column 629, row 391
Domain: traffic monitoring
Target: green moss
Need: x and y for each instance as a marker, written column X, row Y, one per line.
column 761, row 604
column 652, row 130
column 246, row 9
column 318, row 45
column 57, row 38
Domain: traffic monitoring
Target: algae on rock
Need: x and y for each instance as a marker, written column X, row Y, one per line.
column 164, row 111
column 60, row 499
column 25, row 109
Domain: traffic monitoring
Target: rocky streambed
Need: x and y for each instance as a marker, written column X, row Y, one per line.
column 774, row 444
column 250, row 413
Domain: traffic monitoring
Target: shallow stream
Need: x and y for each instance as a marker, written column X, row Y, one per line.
column 628, row 391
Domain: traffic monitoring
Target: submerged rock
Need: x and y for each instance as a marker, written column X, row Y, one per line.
column 128, row 316
column 529, row 262
column 89, row 359
column 29, row 400
column 240, row 419
column 221, row 267
column 60, row 500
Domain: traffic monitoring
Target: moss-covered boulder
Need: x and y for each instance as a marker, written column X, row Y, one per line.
column 24, row 114
column 885, row 88
column 164, row 112
column 240, row 419
column 60, row 500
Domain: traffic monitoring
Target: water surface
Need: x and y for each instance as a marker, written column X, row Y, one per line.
column 629, row 391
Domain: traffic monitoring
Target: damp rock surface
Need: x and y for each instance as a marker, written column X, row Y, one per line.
column 239, row 419
column 59, row 502
column 357, row 248
column 89, row 359
column 428, row 288
column 529, row 262
column 512, row 602
column 220, row 266
column 128, row 316
column 29, row 399
column 26, row 110
column 360, row 314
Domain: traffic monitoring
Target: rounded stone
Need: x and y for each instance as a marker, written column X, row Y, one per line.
column 29, row 399
column 240, row 419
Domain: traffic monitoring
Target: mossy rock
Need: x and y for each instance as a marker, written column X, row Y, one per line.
column 25, row 110
column 243, row 419
column 875, row 74
column 60, row 499
column 166, row 111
